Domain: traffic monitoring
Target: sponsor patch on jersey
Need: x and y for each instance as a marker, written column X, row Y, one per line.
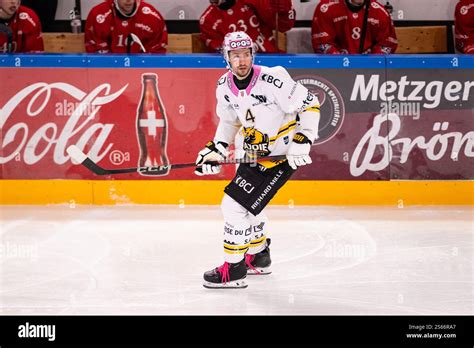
column 465, row 9
column 100, row 18
column 272, row 80
column 143, row 27
column 331, row 104
column 26, row 16
column 373, row 21
column 260, row 99
column 375, row 5
column 340, row 18
column 216, row 24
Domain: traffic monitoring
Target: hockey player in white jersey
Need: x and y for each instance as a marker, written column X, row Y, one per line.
column 277, row 116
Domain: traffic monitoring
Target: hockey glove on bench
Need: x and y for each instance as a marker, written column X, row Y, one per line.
column 298, row 153
column 211, row 153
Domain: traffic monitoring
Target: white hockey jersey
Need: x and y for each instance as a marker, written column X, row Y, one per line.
column 268, row 112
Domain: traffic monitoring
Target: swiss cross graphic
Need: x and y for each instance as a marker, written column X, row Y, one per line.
column 152, row 123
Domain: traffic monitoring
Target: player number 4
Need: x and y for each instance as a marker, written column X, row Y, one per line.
column 249, row 116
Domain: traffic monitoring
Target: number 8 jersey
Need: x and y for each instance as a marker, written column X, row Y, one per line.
column 268, row 112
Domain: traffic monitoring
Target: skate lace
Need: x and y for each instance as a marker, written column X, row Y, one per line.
column 248, row 261
column 224, row 271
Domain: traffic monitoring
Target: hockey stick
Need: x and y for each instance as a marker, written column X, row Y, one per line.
column 364, row 27
column 137, row 40
column 276, row 36
column 129, row 43
column 132, row 38
column 5, row 29
column 82, row 158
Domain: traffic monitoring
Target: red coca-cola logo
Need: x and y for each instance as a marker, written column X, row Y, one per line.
column 20, row 142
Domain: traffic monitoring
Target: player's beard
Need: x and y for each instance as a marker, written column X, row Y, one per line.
column 242, row 71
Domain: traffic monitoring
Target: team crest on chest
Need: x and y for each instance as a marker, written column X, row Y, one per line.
column 255, row 142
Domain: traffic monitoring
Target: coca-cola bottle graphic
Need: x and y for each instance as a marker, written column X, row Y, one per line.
column 152, row 129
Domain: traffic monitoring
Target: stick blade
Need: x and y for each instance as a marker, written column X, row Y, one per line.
column 76, row 154
column 137, row 40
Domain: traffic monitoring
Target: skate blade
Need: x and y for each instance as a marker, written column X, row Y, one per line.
column 236, row 284
column 261, row 271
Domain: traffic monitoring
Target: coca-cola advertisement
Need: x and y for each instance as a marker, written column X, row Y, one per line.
column 376, row 124
column 120, row 118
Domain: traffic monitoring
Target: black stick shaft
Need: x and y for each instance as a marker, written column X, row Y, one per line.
column 80, row 157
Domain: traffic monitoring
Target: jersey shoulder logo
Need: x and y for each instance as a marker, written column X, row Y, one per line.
column 465, row 9
column 222, row 80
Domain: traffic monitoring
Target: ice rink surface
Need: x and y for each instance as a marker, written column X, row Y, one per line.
column 150, row 260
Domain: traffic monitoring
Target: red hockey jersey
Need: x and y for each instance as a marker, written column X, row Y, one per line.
column 26, row 32
column 107, row 32
column 464, row 26
column 252, row 16
column 337, row 29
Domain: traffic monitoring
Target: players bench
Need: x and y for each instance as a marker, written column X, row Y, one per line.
column 177, row 43
column 423, row 39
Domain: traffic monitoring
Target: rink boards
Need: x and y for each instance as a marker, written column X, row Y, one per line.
column 182, row 193
column 395, row 130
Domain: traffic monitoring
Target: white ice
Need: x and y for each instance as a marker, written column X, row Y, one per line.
column 150, row 260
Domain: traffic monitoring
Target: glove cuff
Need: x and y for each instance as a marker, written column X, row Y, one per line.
column 300, row 138
column 220, row 148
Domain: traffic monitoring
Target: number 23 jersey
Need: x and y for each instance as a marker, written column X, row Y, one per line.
column 268, row 112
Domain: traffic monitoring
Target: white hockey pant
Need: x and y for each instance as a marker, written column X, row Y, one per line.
column 243, row 232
